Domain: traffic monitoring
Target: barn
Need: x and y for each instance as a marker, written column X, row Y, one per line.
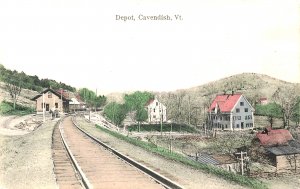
column 281, row 148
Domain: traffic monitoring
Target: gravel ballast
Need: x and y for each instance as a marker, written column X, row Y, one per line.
column 26, row 160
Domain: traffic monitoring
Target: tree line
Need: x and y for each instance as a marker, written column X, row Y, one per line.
column 91, row 99
column 133, row 106
column 30, row 82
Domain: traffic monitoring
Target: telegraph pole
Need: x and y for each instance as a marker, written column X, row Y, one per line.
column 44, row 119
column 242, row 160
column 160, row 111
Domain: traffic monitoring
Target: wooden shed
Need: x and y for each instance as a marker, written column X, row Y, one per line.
column 282, row 150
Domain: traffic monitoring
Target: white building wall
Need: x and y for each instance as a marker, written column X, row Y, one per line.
column 238, row 120
column 156, row 110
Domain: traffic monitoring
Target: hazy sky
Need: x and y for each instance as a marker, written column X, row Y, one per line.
column 81, row 43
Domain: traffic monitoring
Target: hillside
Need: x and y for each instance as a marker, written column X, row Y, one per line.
column 23, row 99
column 196, row 99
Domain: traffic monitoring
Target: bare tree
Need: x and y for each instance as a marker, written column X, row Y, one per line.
column 228, row 142
column 14, row 87
column 287, row 98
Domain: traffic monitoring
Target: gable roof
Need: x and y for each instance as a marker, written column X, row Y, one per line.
column 150, row 101
column 225, row 102
column 57, row 93
column 271, row 137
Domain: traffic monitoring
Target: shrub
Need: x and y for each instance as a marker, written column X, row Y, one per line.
column 6, row 108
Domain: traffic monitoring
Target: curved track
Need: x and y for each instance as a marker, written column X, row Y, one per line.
column 99, row 166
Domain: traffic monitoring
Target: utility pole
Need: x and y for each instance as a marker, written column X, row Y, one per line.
column 44, row 119
column 170, row 137
column 160, row 111
column 242, row 160
column 61, row 101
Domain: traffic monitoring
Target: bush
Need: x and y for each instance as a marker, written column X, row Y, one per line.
column 6, row 108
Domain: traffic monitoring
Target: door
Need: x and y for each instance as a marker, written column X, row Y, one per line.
column 242, row 125
column 47, row 107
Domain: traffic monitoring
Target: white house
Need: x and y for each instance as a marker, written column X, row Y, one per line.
column 156, row 111
column 231, row 112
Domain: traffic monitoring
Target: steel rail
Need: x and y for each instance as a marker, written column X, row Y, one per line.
column 167, row 183
column 84, row 179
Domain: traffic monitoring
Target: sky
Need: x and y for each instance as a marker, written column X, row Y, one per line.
column 83, row 44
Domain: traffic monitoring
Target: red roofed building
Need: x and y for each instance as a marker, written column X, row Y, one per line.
column 281, row 148
column 231, row 112
column 263, row 101
column 270, row 137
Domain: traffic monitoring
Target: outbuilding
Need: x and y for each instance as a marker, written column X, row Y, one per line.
column 281, row 148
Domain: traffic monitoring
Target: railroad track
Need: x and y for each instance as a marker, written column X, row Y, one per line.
column 96, row 165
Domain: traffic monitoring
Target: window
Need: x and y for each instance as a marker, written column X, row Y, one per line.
column 246, row 109
column 239, row 117
column 249, row 117
column 237, row 110
column 233, row 117
column 221, row 118
column 226, row 126
column 154, row 116
column 247, row 124
column 246, row 117
column 237, row 125
column 154, row 110
column 156, row 103
column 49, row 95
column 241, row 103
column 56, row 105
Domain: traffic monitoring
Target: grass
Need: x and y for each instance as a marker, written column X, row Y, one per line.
column 165, row 128
column 239, row 179
column 6, row 108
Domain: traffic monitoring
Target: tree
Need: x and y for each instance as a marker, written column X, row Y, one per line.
column 140, row 116
column 228, row 142
column 137, row 100
column 287, row 98
column 14, row 87
column 115, row 112
column 100, row 101
column 296, row 112
column 135, row 103
column 271, row 110
column 32, row 82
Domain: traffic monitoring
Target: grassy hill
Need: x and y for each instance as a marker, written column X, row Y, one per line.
column 190, row 105
column 196, row 100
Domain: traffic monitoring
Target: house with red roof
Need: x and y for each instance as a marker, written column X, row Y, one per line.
column 281, row 148
column 263, row 101
column 231, row 112
column 157, row 112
